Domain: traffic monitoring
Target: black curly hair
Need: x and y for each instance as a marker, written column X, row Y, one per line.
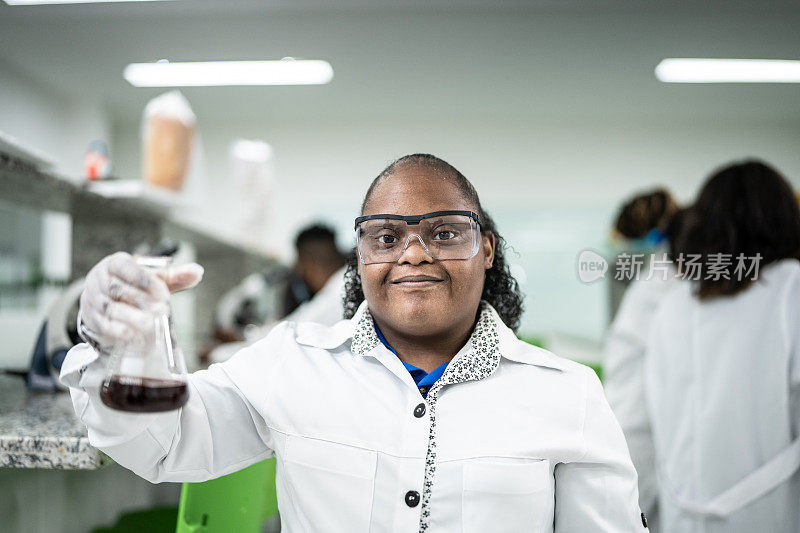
column 500, row 288
column 746, row 208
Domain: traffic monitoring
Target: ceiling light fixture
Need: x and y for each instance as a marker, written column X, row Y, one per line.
column 286, row 71
column 688, row 70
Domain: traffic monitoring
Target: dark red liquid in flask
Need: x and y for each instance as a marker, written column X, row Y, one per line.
column 143, row 395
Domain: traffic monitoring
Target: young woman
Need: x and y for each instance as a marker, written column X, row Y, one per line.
column 422, row 412
column 722, row 368
column 623, row 363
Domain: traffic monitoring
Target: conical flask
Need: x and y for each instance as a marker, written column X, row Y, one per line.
column 146, row 372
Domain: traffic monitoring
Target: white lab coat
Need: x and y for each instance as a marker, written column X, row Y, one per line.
column 326, row 307
column 623, row 379
column 723, row 390
column 511, row 437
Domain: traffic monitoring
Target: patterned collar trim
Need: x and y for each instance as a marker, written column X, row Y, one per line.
column 361, row 332
column 472, row 364
column 484, row 357
column 475, row 364
column 365, row 338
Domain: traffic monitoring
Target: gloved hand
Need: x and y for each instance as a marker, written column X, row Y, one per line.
column 120, row 298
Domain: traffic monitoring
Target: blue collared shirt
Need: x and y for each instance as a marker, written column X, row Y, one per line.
column 424, row 380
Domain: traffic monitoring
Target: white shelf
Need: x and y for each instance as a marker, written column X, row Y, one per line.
column 14, row 147
column 32, row 187
column 138, row 191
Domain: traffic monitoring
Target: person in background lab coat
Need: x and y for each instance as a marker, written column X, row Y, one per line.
column 316, row 284
column 638, row 229
column 421, row 412
column 264, row 297
column 325, row 307
column 318, row 261
column 321, row 266
column 653, row 216
column 722, row 369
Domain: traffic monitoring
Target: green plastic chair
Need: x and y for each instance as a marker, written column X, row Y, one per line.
column 155, row 520
column 237, row 503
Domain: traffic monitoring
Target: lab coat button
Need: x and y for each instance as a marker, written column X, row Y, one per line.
column 412, row 498
column 419, row 410
column 423, row 390
column 644, row 520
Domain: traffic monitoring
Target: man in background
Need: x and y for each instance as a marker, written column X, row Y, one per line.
column 311, row 291
column 318, row 259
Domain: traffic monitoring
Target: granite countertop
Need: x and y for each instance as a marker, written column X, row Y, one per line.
column 40, row 430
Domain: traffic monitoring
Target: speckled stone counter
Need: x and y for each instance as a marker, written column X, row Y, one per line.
column 40, row 430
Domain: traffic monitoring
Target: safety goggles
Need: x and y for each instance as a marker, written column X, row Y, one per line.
column 443, row 234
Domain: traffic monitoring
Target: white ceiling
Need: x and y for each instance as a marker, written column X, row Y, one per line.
column 429, row 58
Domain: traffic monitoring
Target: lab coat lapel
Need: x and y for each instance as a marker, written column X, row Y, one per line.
column 481, row 357
column 367, row 344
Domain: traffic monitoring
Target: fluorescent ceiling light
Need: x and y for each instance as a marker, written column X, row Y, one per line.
column 216, row 73
column 43, row 2
column 685, row 70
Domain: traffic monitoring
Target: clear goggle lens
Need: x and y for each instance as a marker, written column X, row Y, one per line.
column 385, row 240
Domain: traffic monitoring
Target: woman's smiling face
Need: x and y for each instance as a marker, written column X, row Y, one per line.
column 418, row 295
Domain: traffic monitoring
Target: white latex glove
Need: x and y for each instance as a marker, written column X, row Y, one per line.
column 120, row 298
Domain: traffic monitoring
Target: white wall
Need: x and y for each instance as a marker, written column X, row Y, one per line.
column 552, row 185
column 60, row 127
column 56, row 124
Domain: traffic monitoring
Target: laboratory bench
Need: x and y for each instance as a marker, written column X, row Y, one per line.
column 51, row 478
column 40, row 430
